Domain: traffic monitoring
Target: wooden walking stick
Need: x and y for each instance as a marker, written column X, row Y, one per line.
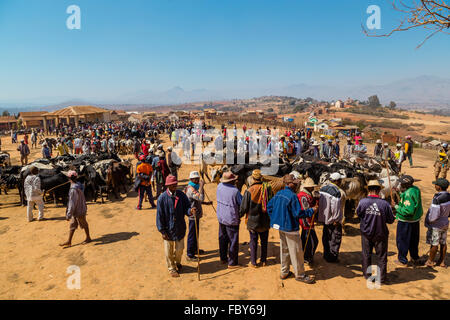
column 309, row 232
column 210, row 201
column 389, row 179
column 198, row 246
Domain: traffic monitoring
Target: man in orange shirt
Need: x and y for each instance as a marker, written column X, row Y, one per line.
column 144, row 172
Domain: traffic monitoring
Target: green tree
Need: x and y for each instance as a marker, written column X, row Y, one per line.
column 270, row 110
column 374, row 102
column 392, row 105
column 6, row 113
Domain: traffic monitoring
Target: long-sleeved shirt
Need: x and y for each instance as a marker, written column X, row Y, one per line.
column 76, row 206
column 285, row 211
column 251, row 205
column 170, row 212
column 228, row 203
column 409, row 208
column 32, row 187
column 375, row 214
column 438, row 213
column 196, row 198
column 330, row 204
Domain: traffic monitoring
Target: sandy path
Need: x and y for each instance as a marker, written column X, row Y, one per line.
column 126, row 259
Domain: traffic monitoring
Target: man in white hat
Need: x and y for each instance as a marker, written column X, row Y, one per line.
column 331, row 201
column 349, row 149
column 196, row 195
column 387, row 155
column 375, row 213
column 399, row 156
column 322, row 145
column 378, row 150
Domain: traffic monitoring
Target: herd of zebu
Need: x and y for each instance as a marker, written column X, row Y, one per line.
column 356, row 173
column 100, row 174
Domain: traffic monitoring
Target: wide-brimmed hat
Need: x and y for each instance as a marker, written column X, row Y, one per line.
column 315, row 144
column 309, row 183
column 171, row 180
column 399, row 145
column 375, row 183
column 289, row 178
column 379, row 141
column 256, row 175
column 194, row 175
column 228, row 177
column 386, row 144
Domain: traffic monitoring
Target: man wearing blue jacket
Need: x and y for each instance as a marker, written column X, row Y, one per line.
column 375, row 213
column 285, row 212
column 172, row 206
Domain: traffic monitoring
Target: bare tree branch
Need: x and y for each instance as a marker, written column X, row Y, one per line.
column 432, row 15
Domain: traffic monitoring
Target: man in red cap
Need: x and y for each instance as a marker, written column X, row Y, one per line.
column 172, row 206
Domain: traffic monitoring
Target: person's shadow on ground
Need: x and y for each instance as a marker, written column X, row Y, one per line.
column 114, row 237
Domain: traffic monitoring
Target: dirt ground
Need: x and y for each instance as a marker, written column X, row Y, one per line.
column 126, row 258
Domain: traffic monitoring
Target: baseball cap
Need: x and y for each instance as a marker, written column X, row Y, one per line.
column 441, row 182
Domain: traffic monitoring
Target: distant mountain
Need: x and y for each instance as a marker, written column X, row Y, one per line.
column 427, row 92
column 173, row 96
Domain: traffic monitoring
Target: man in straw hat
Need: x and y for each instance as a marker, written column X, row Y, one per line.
column 285, row 211
column 172, row 206
column 228, row 203
column 408, row 213
column 309, row 236
column 375, row 213
column 253, row 206
column 196, row 195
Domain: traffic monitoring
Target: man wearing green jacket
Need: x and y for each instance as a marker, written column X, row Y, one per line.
column 408, row 213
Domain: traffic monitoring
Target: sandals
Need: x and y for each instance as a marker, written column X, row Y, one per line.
column 174, row 274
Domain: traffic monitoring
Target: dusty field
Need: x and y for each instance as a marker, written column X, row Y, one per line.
column 126, row 259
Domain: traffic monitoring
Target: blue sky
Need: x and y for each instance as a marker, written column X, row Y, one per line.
column 128, row 46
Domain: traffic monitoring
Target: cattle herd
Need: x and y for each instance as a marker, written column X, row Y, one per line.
column 101, row 174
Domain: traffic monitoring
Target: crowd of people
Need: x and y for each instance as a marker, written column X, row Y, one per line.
column 300, row 205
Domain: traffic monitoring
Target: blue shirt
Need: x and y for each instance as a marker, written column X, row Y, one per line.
column 285, row 211
column 228, row 204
